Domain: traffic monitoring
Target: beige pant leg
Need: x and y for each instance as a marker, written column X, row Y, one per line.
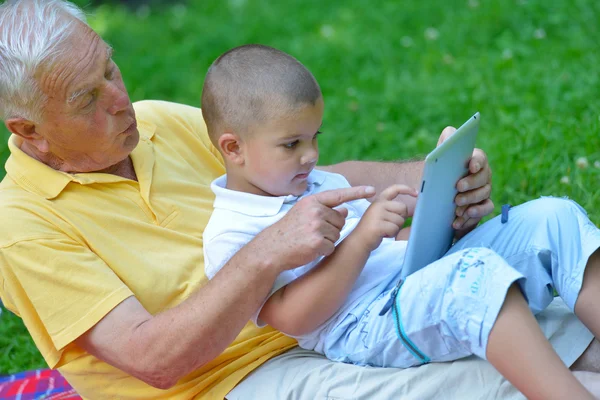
column 300, row 374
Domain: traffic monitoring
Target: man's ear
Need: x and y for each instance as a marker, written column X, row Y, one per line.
column 27, row 131
column 231, row 147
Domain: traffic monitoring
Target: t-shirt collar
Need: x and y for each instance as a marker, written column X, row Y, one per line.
column 256, row 205
column 37, row 177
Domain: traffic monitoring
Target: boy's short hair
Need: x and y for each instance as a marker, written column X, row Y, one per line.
column 251, row 84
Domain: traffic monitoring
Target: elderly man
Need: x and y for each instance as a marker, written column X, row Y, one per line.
column 102, row 214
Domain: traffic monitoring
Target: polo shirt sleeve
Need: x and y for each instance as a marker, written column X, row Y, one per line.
column 60, row 289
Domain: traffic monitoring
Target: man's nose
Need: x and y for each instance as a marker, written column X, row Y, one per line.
column 121, row 101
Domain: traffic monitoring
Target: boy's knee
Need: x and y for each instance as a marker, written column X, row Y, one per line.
column 483, row 265
column 552, row 209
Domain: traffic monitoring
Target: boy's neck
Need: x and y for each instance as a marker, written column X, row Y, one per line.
column 239, row 184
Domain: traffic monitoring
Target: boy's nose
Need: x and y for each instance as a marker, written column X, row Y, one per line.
column 310, row 157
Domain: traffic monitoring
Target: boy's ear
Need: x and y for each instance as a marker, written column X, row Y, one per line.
column 27, row 130
column 230, row 145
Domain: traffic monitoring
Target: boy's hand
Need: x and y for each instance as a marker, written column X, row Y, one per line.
column 385, row 217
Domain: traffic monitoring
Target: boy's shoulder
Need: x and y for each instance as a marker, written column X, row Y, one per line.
column 328, row 180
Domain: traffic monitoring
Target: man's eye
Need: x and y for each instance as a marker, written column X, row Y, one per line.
column 110, row 74
column 92, row 98
column 291, row 145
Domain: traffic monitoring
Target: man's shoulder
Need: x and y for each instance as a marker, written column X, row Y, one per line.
column 156, row 109
column 173, row 120
column 23, row 215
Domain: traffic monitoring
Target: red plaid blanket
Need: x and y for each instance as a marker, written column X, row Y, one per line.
column 41, row 384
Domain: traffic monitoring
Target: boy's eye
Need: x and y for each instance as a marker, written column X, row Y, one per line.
column 291, row 145
column 317, row 134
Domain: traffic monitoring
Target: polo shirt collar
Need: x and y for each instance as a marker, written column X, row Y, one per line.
column 38, row 178
column 255, row 205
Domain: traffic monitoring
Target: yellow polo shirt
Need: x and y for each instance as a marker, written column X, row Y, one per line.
column 73, row 246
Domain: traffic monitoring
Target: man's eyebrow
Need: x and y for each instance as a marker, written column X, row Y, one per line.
column 109, row 53
column 78, row 93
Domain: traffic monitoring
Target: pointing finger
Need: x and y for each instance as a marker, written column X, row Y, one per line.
column 335, row 197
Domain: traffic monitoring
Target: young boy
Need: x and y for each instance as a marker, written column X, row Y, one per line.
column 263, row 110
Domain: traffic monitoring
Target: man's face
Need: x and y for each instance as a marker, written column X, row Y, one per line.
column 88, row 122
column 279, row 156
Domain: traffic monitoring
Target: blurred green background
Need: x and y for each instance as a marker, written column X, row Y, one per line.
column 394, row 74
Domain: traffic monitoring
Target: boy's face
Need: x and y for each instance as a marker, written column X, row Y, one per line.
column 279, row 155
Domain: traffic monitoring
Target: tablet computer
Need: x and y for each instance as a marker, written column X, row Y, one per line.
column 431, row 231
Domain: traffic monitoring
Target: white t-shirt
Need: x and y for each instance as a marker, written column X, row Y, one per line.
column 239, row 216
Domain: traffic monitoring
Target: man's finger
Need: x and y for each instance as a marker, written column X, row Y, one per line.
column 460, row 210
column 480, row 173
column 466, row 227
column 480, row 210
column 459, row 222
column 336, row 217
column 474, row 181
column 474, row 196
column 469, row 223
column 393, row 191
column 330, row 233
column 335, row 197
column 343, row 211
column 327, row 247
column 446, row 133
column 478, row 160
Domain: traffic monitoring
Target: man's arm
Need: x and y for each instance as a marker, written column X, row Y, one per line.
column 473, row 199
column 162, row 349
column 382, row 175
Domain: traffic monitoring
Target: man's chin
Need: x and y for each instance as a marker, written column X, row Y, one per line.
column 132, row 140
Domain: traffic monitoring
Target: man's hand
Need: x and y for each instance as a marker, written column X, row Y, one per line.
column 473, row 199
column 311, row 228
column 385, row 217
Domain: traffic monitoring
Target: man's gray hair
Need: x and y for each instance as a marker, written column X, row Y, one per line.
column 32, row 33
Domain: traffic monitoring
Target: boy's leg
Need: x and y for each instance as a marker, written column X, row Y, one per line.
column 448, row 311
column 518, row 349
column 549, row 241
column 587, row 306
column 484, row 313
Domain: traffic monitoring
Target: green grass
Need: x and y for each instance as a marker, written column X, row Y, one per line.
column 393, row 74
column 17, row 351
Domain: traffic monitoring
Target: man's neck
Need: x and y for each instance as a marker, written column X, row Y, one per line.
column 123, row 168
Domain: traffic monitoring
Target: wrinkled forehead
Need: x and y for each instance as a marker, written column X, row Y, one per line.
column 82, row 56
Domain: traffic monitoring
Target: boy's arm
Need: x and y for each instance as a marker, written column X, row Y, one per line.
column 305, row 304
